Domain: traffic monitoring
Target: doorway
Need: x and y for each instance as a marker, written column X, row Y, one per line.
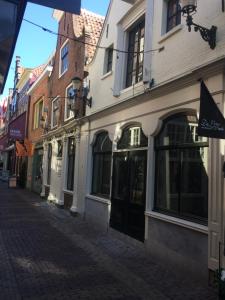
column 129, row 192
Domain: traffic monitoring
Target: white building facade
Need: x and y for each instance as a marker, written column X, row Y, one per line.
column 142, row 168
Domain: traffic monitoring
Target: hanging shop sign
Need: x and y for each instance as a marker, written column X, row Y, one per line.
column 211, row 120
column 17, row 128
column 24, row 148
column 72, row 6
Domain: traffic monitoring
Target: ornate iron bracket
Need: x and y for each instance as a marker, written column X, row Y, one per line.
column 208, row 35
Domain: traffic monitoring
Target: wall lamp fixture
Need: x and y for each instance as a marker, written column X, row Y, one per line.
column 80, row 91
column 188, row 8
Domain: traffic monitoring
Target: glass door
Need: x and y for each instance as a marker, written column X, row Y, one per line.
column 128, row 192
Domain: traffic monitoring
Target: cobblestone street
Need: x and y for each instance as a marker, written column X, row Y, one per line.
column 48, row 254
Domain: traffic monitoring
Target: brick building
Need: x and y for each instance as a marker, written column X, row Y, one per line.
column 71, row 56
column 37, row 124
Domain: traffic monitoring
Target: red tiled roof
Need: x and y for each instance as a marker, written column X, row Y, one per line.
column 91, row 24
column 38, row 70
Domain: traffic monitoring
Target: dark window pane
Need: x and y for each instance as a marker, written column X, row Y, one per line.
column 135, row 54
column 109, row 60
column 132, row 137
column 102, row 143
column 49, row 164
column 181, row 169
column 167, row 180
column 101, row 174
column 194, row 183
column 173, row 14
column 179, row 130
column 120, row 177
column 71, row 163
column 102, row 152
column 137, row 179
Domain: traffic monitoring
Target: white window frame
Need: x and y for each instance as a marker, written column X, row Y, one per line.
column 60, row 59
column 65, row 105
column 36, row 121
column 55, row 99
column 136, row 13
column 106, row 60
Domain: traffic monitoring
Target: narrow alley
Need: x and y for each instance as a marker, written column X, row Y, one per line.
column 48, row 254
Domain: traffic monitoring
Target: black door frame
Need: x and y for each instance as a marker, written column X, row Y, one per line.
column 124, row 207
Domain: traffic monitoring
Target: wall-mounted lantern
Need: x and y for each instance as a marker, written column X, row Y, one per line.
column 188, row 8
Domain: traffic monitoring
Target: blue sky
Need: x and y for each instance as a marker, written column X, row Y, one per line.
column 34, row 46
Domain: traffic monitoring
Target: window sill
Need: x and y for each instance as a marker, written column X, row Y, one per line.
column 106, row 75
column 68, row 192
column 131, row 88
column 170, row 33
column 176, row 221
column 60, row 75
column 99, row 199
column 68, row 119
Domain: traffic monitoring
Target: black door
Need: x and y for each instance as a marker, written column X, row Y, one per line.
column 128, row 193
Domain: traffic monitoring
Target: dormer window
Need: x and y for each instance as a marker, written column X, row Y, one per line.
column 64, row 60
column 135, row 56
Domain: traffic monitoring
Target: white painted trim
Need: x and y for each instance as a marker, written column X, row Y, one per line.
column 68, row 192
column 176, row 221
column 65, row 106
column 132, row 87
column 46, row 71
column 52, row 127
column 170, row 33
column 63, row 45
column 107, row 75
column 98, row 199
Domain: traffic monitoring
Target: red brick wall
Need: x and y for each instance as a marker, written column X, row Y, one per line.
column 76, row 50
column 40, row 92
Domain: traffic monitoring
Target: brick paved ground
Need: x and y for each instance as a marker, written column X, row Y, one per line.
column 47, row 254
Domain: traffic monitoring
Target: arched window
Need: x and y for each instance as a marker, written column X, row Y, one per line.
column 132, row 137
column 102, row 156
column 181, row 180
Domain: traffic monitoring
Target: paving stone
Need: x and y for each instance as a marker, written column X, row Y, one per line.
column 45, row 253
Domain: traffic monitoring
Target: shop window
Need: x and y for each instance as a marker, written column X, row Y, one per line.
column 64, row 58
column 102, row 157
column 70, row 163
column 38, row 112
column 132, row 137
column 181, row 180
column 135, row 56
column 55, row 112
column 173, row 14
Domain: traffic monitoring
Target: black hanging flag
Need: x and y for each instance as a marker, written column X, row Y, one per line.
column 211, row 121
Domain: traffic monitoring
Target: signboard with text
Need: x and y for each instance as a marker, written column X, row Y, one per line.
column 211, row 120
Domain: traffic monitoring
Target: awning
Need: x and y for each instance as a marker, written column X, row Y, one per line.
column 72, row 6
column 17, row 128
column 11, row 15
